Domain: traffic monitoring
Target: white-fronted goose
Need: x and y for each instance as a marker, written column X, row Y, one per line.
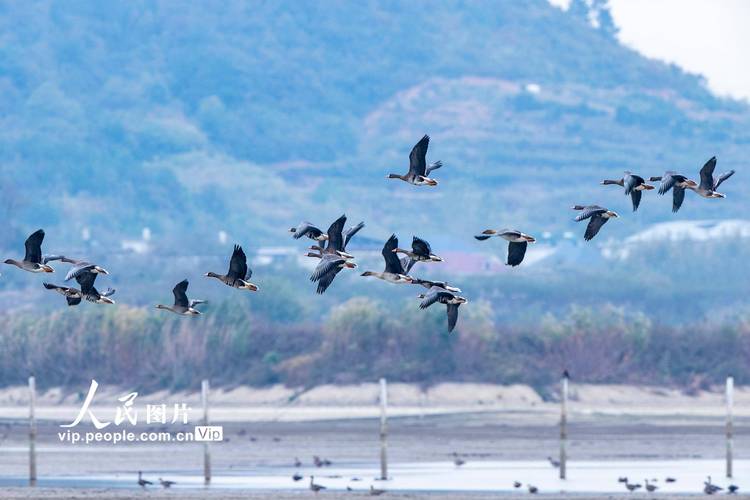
column 677, row 183
column 709, row 488
column 79, row 266
column 89, row 292
column 309, row 230
column 418, row 168
column 440, row 284
column 181, row 304
column 333, row 258
column 554, row 463
column 732, row 489
column 32, row 260
column 598, row 215
column 632, row 486
column 443, row 296
column 709, row 184
column 394, row 270
column 374, row 492
column 634, row 186
column 72, row 295
column 143, row 482
column 166, row 483
column 421, row 251
column 315, row 487
column 650, row 487
column 517, row 243
column 532, row 489
column 238, row 275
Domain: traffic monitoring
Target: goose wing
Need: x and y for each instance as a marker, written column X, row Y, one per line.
column 325, row 281
column 433, row 295
column 180, row 294
column 420, row 247
column 328, row 263
column 631, row 181
column 722, row 178
column 335, row 239
column 78, row 269
column 635, row 197
column 668, row 181
column 707, row 174
column 590, row 211
column 238, row 264
column 595, row 224
column 678, row 196
column 452, row 316
column 33, row 246
column 196, row 302
column 349, row 233
column 516, row 252
column 86, row 280
column 109, row 292
column 392, row 262
column 417, row 157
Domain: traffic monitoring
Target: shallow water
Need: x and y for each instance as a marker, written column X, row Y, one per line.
column 583, row 477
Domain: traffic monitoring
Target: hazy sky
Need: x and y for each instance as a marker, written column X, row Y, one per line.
column 709, row 37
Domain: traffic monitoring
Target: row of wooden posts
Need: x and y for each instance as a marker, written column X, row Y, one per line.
column 205, row 388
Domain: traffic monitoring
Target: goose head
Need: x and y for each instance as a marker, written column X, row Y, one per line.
column 609, row 214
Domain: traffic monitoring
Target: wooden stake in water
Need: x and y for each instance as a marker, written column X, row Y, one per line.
column 32, row 432
column 730, row 429
column 383, row 430
column 206, row 448
column 564, row 426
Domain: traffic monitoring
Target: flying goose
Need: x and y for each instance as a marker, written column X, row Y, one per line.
column 333, row 258
column 315, row 487
column 441, row 284
column 598, row 215
column 517, row 243
column 418, row 169
column 709, row 184
column 634, row 186
column 72, row 295
column 239, row 274
column 420, row 252
column 677, row 183
column 32, row 260
column 394, row 270
column 79, row 266
column 166, row 483
column 86, row 280
column 143, row 482
column 181, row 304
column 443, row 296
column 309, row 230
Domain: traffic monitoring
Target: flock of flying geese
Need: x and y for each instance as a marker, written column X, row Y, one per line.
column 330, row 246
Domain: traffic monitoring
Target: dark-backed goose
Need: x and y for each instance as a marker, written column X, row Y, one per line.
column 166, row 483
column 72, row 295
column 709, row 488
column 418, row 169
column 517, row 242
column 89, row 292
column 420, row 252
column 143, row 482
column 238, row 275
column 32, row 260
column 677, row 183
column 79, row 266
column 394, row 270
column 333, row 258
column 598, row 215
column 309, row 230
column 181, row 304
column 315, row 487
column 441, row 284
column 443, row 296
column 634, row 186
column 709, row 184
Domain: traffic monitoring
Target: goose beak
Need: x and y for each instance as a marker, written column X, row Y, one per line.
column 101, row 270
column 529, row 238
column 47, row 269
column 106, row 300
column 613, row 214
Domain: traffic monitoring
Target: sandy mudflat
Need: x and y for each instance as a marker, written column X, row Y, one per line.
column 64, row 494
